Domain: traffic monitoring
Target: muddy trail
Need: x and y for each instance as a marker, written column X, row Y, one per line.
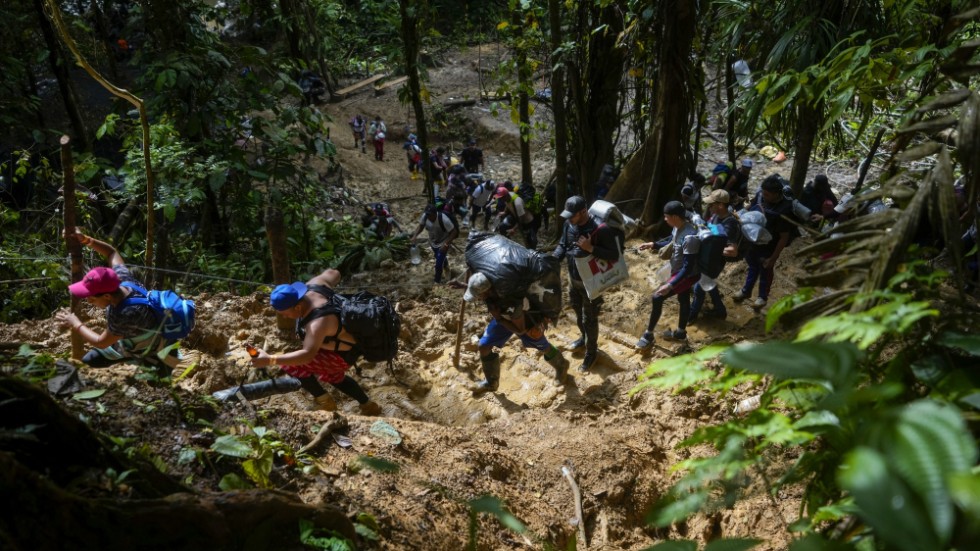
column 512, row 444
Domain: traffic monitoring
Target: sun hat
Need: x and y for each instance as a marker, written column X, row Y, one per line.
column 287, row 295
column 97, row 281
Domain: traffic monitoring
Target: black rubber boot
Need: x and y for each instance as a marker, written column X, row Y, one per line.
column 491, row 372
column 261, row 389
column 561, row 367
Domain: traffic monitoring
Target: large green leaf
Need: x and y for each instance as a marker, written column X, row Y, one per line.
column 966, row 343
column 885, row 501
column 231, row 445
column 930, row 443
column 824, row 362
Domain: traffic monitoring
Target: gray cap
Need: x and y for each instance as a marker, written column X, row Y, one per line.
column 477, row 286
column 573, row 205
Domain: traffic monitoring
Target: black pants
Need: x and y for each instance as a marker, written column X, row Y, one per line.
column 658, row 305
column 94, row 359
column 586, row 315
column 348, row 386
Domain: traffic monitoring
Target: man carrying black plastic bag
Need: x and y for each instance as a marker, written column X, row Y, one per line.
column 522, row 290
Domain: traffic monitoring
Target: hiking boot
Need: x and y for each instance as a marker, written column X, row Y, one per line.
column 370, row 408
column 576, row 344
column 674, row 335
column 491, row 372
column 325, row 403
column 646, row 341
column 561, row 368
column 759, row 303
column 716, row 313
column 740, row 296
column 587, row 361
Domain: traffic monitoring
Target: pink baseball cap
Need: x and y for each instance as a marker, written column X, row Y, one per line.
column 501, row 191
column 96, row 282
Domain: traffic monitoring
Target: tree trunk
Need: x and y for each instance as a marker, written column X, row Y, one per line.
column 124, row 222
column 60, row 69
column 658, row 167
column 730, row 107
column 558, row 109
column 409, row 30
column 523, row 106
column 275, row 231
column 45, row 471
column 806, row 136
column 594, row 78
column 74, row 247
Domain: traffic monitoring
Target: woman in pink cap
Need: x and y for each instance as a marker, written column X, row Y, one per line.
column 133, row 327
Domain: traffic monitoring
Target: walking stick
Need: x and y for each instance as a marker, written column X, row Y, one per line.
column 459, row 332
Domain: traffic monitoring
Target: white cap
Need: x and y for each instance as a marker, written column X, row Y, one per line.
column 477, row 286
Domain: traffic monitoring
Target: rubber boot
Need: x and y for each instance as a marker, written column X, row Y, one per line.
column 261, row 389
column 370, row 408
column 561, row 367
column 491, row 370
column 325, row 403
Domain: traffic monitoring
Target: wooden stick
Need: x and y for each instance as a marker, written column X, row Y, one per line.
column 805, row 228
column 74, row 247
column 336, row 423
column 459, row 332
column 567, row 472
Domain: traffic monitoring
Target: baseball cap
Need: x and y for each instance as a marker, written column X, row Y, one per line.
column 476, row 287
column 573, row 205
column 97, row 281
column 675, row 208
column 501, row 191
column 687, row 190
column 718, row 196
column 747, row 163
column 287, row 295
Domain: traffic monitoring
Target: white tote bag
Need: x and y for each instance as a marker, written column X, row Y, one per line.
column 598, row 275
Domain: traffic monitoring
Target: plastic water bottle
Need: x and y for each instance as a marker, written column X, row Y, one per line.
column 415, row 255
column 748, row 404
column 707, row 283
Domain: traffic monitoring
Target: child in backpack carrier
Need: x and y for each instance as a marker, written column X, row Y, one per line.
column 136, row 329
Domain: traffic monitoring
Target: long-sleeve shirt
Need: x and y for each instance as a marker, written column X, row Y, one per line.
column 607, row 243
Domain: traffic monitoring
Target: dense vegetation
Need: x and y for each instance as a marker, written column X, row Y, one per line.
column 877, row 396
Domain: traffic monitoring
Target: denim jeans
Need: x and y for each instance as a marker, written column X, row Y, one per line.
column 698, row 301
column 440, row 262
column 755, row 259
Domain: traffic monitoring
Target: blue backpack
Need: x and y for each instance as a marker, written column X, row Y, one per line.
column 176, row 313
column 711, row 259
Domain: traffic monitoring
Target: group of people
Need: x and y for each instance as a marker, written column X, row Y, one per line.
column 133, row 332
column 729, row 197
column 375, row 131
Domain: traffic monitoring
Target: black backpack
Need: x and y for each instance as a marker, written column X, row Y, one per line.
column 371, row 319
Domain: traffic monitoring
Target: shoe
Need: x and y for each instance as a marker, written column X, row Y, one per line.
column 693, row 317
column 759, row 303
column 485, row 386
column 587, row 362
column 674, row 335
column 740, row 296
column 646, row 341
column 575, row 345
column 370, row 408
column 325, row 403
column 716, row 313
